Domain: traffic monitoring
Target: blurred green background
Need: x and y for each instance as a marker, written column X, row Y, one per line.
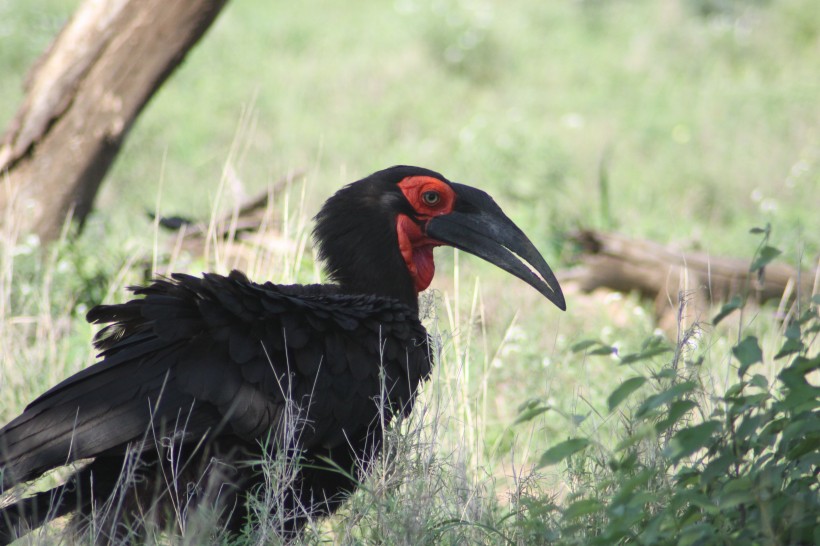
column 684, row 121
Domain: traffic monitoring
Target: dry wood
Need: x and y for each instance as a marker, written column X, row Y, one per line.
column 667, row 274
column 248, row 236
column 82, row 97
column 247, row 216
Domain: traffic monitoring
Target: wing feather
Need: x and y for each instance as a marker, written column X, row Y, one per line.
column 224, row 355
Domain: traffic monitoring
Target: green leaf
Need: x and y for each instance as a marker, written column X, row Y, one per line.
column 698, row 499
column 717, row 468
column 584, row 345
column 665, row 373
column 816, row 299
column 677, row 409
column 808, row 316
column 628, row 487
column 624, row 390
column 673, row 392
column 774, row 427
column 625, row 463
column 736, row 491
column 559, row 452
column 603, row 350
column 583, row 507
column 735, row 498
column 695, row 533
column 529, row 403
column 743, row 403
column 792, row 331
column 766, row 255
column 759, row 381
column 653, row 341
column 640, row 433
column 747, row 352
column 728, row 308
column 749, row 426
column 809, row 445
column 801, row 428
column 790, row 347
column 691, row 439
column 530, row 414
column 645, row 355
column 735, row 390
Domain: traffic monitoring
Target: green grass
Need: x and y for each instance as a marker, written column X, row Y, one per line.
column 686, row 122
column 709, row 122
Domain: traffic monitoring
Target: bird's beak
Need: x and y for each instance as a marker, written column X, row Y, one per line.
column 478, row 225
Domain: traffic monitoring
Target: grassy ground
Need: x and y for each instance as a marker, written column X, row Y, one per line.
column 682, row 121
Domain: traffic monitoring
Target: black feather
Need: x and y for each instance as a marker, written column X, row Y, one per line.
column 190, row 351
column 216, row 372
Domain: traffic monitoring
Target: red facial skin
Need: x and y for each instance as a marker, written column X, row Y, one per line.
column 416, row 248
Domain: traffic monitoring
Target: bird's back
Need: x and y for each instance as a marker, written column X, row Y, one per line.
column 221, row 357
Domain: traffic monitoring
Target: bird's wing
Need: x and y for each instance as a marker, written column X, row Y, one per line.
column 221, row 355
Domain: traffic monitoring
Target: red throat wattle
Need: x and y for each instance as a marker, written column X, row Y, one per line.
column 417, row 251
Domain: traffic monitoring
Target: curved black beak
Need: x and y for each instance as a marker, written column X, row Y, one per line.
column 478, row 225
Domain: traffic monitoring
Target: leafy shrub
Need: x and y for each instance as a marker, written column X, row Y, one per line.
column 693, row 467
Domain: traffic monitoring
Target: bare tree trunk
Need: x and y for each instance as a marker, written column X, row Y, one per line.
column 83, row 95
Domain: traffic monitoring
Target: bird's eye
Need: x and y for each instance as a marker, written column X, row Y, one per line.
column 431, row 197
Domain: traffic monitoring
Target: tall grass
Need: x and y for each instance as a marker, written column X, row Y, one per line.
column 641, row 464
column 677, row 120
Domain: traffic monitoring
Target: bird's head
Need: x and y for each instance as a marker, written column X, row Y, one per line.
column 377, row 235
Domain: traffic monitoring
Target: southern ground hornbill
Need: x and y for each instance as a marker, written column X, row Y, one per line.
column 199, row 376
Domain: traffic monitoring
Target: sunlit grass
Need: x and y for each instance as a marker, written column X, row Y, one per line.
column 462, row 468
column 704, row 120
column 697, row 119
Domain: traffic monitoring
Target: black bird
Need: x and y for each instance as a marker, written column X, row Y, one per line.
column 199, row 376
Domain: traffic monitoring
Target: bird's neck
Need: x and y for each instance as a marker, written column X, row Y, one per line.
column 365, row 259
column 400, row 291
column 368, row 250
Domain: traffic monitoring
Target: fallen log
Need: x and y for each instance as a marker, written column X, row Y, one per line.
column 243, row 237
column 672, row 277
